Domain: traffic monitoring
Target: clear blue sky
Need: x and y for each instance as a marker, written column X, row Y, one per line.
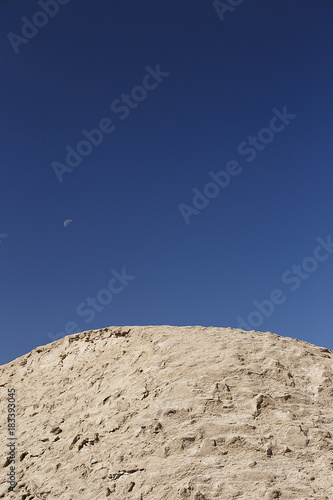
column 192, row 90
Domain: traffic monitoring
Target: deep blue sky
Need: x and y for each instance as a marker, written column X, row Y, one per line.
column 225, row 78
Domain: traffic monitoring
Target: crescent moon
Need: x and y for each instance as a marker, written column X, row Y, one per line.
column 67, row 222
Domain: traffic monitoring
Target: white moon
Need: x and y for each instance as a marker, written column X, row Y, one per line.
column 67, row 222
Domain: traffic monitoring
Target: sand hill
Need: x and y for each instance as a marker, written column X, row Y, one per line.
column 163, row 412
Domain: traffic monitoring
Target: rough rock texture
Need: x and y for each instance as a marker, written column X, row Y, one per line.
column 162, row 412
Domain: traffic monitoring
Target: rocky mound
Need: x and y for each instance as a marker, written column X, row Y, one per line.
column 162, row 412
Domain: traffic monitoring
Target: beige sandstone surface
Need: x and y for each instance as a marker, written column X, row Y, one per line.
column 166, row 413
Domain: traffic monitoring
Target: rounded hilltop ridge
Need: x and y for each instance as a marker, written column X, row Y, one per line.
column 166, row 412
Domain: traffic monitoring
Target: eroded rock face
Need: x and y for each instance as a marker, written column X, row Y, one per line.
column 163, row 412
